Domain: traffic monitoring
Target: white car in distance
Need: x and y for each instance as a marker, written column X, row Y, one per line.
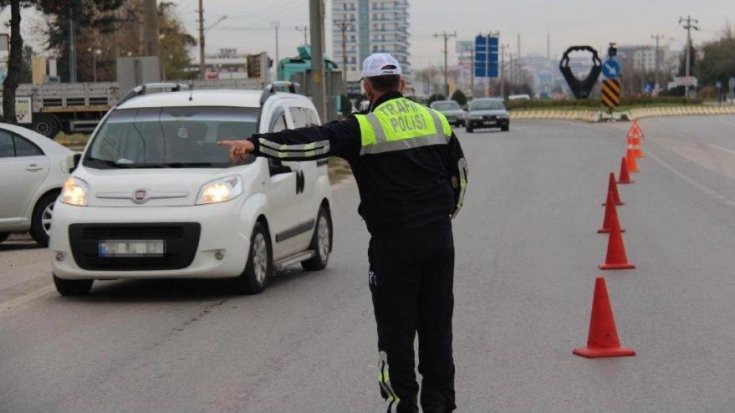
column 33, row 169
column 155, row 196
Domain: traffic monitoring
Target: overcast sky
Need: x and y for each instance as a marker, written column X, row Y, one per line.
column 248, row 23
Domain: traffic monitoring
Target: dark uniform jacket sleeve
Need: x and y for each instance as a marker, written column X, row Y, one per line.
column 457, row 167
column 341, row 138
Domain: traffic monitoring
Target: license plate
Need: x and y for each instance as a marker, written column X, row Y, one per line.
column 489, row 122
column 131, row 248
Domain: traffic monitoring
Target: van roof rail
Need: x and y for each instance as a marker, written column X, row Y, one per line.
column 142, row 89
column 270, row 89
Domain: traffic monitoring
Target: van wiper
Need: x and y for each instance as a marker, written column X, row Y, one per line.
column 108, row 162
column 188, row 165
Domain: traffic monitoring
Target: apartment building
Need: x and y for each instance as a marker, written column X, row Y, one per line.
column 362, row 27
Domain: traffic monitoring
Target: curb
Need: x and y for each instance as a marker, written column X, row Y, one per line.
column 597, row 116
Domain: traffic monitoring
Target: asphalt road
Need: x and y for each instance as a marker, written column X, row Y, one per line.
column 527, row 256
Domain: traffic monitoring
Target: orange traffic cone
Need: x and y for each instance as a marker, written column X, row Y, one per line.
column 624, row 175
column 637, row 147
column 613, row 187
column 609, row 212
column 637, row 127
column 616, row 259
column 630, row 159
column 602, row 340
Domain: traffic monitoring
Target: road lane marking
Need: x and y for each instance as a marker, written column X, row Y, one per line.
column 705, row 189
column 720, row 148
column 15, row 302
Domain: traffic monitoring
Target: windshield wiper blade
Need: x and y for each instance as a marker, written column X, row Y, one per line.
column 188, row 164
column 108, row 162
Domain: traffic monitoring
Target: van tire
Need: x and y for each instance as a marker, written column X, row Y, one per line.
column 4, row 236
column 321, row 241
column 259, row 266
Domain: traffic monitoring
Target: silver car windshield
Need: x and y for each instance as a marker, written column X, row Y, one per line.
column 169, row 137
column 445, row 105
column 487, row 105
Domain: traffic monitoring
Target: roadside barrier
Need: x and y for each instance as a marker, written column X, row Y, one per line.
column 602, row 340
column 587, row 115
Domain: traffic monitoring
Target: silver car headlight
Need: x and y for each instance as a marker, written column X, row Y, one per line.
column 220, row 190
column 75, row 192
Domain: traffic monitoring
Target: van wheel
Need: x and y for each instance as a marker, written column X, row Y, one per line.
column 4, row 236
column 321, row 242
column 260, row 263
column 41, row 220
column 72, row 287
column 468, row 129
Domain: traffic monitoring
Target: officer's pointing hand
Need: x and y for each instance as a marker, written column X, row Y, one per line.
column 238, row 149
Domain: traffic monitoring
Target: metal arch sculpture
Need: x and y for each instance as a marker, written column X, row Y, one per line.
column 581, row 88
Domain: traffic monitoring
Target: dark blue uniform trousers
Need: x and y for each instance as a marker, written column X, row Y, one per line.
column 411, row 280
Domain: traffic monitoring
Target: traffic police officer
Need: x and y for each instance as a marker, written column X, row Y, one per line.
column 411, row 175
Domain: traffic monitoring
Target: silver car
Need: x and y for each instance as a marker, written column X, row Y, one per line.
column 487, row 113
column 451, row 110
column 33, row 169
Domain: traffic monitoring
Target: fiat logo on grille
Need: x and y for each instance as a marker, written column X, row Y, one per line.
column 140, row 196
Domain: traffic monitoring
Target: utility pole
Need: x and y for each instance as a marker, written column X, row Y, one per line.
column 343, row 26
column 201, row 39
column 304, row 29
column 690, row 24
column 472, row 70
column 657, row 37
column 150, row 28
column 276, row 25
column 316, row 22
column 502, row 70
column 446, row 37
column 72, row 49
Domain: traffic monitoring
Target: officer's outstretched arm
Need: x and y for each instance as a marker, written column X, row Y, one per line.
column 457, row 167
column 332, row 139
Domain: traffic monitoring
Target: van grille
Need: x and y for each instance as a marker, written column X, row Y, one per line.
column 181, row 243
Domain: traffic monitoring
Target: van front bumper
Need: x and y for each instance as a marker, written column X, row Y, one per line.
column 206, row 241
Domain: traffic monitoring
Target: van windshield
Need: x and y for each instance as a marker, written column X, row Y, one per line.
column 169, row 137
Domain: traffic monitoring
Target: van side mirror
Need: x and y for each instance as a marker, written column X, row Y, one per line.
column 73, row 161
column 277, row 168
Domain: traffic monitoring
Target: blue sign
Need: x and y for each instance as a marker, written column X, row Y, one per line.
column 486, row 56
column 648, row 89
column 611, row 69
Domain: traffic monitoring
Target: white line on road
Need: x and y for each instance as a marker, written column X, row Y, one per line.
column 9, row 305
column 720, row 148
column 705, row 189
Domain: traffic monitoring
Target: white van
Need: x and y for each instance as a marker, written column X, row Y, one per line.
column 154, row 196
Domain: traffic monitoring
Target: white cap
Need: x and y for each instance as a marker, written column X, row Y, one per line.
column 380, row 64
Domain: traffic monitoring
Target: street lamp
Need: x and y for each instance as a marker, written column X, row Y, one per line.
column 95, row 54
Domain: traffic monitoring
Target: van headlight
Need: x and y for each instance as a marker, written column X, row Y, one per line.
column 75, row 192
column 220, row 190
